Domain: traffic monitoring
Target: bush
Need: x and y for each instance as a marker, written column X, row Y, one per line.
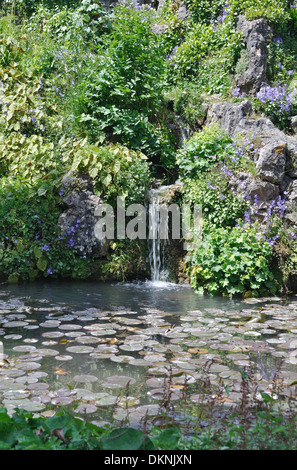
column 232, row 261
column 202, row 151
column 275, row 11
column 275, row 102
column 207, row 49
column 203, row 11
column 31, row 246
column 188, row 104
column 120, row 92
column 220, row 206
column 115, row 170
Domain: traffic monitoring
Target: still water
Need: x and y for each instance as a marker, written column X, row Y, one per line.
column 105, row 351
column 162, row 295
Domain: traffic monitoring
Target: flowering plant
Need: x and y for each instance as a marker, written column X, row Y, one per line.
column 275, row 102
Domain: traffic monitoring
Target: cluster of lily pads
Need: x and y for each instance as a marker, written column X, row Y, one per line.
column 121, row 364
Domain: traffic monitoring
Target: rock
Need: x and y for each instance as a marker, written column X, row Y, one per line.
column 77, row 223
column 183, row 13
column 256, row 34
column 245, row 184
column 229, row 115
column 271, row 162
column 236, row 118
column 159, row 28
column 292, row 217
column 277, row 161
column 291, row 162
column 291, row 196
column 294, row 124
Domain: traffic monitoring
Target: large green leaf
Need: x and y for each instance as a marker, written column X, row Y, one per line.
column 126, row 439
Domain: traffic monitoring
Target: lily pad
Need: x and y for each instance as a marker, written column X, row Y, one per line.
column 62, row 400
column 80, row 349
column 85, row 378
column 118, row 381
column 28, row 365
column 15, row 324
column 63, row 357
column 86, row 409
column 70, row 326
column 107, row 400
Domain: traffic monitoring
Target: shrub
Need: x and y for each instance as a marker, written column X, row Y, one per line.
column 276, row 102
column 220, row 206
column 202, row 151
column 115, row 170
column 232, row 262
column 188, row 104
column 207, row 48
column 275, row 11
column 121, row 91
column 204, row 11
column 30, row 243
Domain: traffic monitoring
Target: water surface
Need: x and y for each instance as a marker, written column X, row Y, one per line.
column 106, row 350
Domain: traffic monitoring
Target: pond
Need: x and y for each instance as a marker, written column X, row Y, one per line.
column 107, row 352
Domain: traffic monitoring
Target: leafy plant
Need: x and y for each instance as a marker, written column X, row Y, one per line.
column 232, row 261
column 276, row 102
column 220, row 206
column 209, row 54
column 116, row 170
column 203, row 150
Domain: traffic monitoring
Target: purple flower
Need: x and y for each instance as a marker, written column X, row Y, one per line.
column 278, row 40
column 44, row 248
column 236, row 92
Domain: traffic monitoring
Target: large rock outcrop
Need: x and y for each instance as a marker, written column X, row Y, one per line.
column 77, row 222
column 276, row 163
column 256, row 34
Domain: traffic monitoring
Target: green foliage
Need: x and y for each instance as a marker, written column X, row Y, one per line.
column 23, row 431
column 120, row 92
column 127, row 260
column 220, row 206
column 126, row 439
column 232, row 261
column 203, row 11
column 167, row 439
column 247, row 428
column 27, row 157
column 27, row 7
column 275, row 11
column 203, row 150
column 208, row 55
column 31, row 245
column 116, row 170
column 174, row 29
column 188, row 104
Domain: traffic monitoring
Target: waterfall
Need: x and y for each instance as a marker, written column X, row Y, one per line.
column 156, row 244
column 184, row 133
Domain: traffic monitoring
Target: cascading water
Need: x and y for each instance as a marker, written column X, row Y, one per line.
column 156, row 243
